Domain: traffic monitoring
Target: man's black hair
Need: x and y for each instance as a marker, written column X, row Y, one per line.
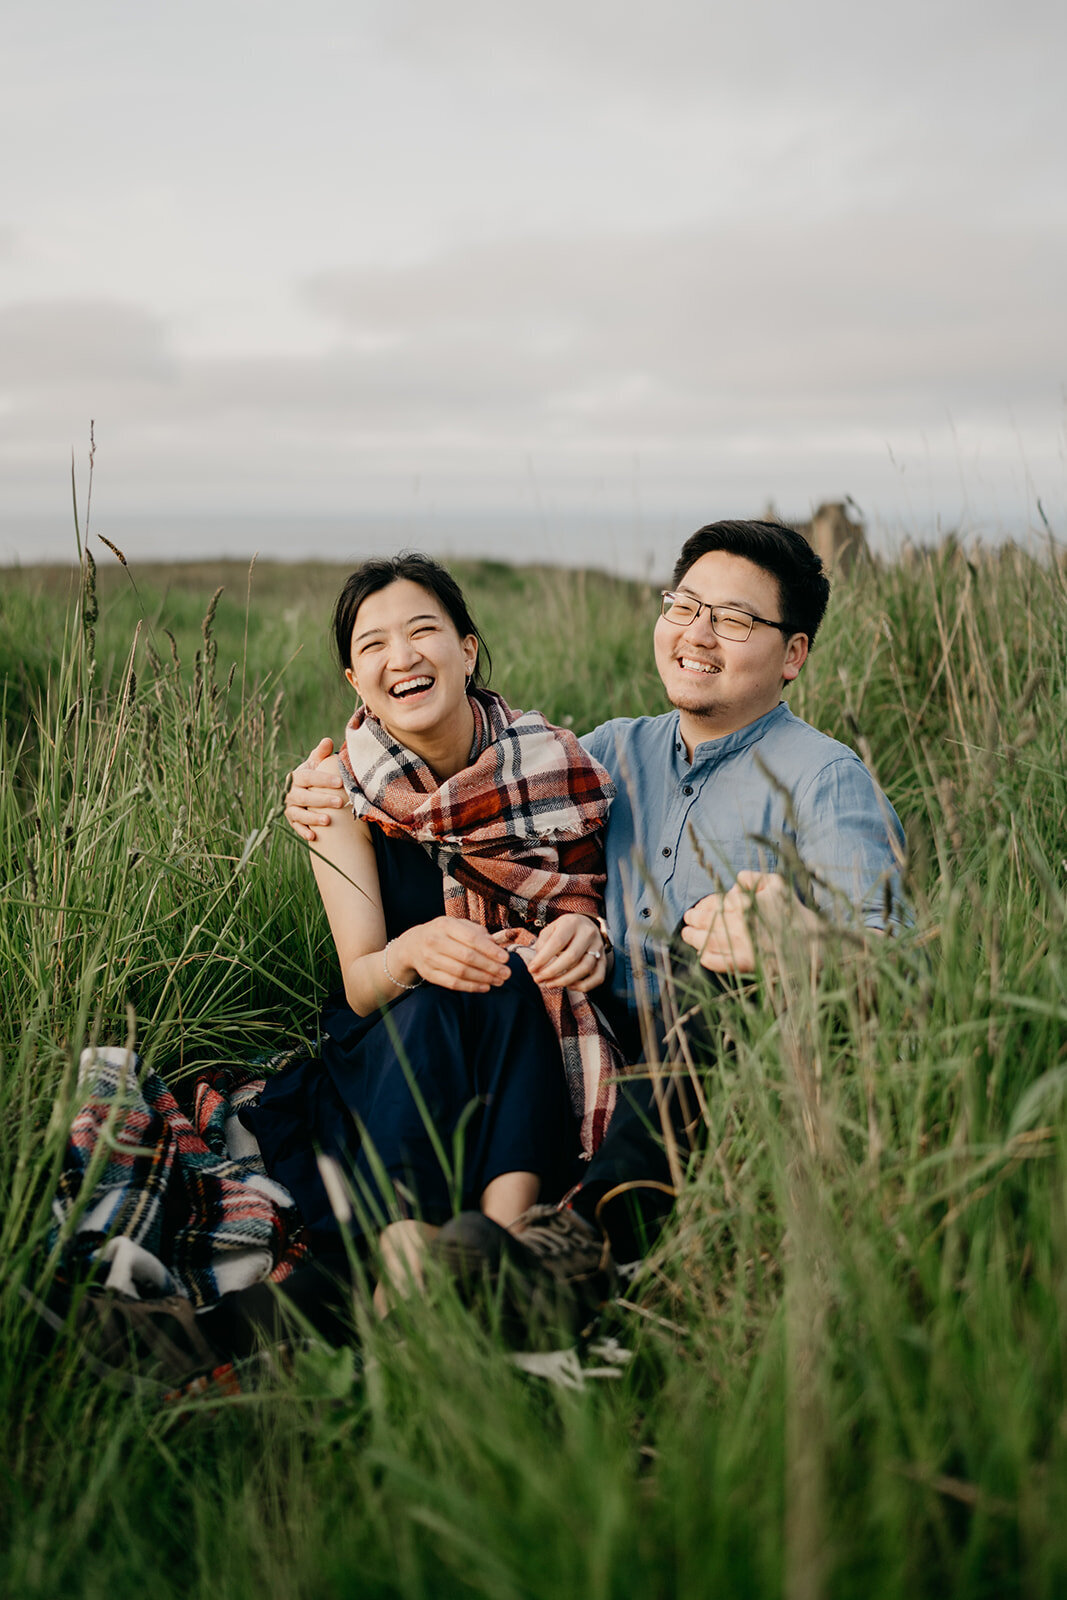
column 430, row 575
column 803, row 587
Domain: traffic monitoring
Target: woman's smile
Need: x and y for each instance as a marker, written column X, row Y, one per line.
column 411, row 688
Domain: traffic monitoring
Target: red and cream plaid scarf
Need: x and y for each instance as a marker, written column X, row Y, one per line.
column 518, row 836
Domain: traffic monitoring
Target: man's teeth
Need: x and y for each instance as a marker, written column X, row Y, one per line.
column 410, row 686
column 697, row 666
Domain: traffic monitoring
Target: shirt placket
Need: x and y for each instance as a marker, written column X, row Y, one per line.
column 685, row 791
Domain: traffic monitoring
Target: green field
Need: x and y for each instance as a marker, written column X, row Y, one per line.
column 847, row 1372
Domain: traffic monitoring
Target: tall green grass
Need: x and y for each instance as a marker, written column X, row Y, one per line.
column 848, row 1352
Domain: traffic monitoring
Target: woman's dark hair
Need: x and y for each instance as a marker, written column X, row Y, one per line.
column 416, row 568
column 802, row 582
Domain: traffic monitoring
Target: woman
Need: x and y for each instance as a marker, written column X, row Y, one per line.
column 464, row 1065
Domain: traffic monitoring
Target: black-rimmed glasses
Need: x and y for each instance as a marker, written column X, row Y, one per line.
column 729, row 622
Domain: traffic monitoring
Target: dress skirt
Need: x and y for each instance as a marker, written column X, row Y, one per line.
column 426, row 1101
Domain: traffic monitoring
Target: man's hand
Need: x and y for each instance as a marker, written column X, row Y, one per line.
column 569, row 954
column 726, row 929
column 312, row 794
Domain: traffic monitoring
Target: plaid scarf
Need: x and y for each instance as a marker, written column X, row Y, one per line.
column 518, row 836
column 160, row 1197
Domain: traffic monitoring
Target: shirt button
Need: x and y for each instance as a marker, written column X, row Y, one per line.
column 688, row 789
column 666, row 850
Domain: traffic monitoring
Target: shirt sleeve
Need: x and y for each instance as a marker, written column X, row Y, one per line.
column 594, row 743
column 851, row 846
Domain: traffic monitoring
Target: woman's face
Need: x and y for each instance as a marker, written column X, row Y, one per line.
column 408, row 662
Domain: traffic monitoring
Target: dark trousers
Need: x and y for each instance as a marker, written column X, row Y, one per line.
column 630, row 1186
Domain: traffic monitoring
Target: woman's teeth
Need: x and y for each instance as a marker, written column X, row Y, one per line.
column 410, row 686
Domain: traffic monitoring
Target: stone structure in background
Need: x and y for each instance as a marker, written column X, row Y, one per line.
column 832, row 534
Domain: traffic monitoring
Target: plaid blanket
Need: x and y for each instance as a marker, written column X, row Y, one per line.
column 518, row 836
column 172, row 1205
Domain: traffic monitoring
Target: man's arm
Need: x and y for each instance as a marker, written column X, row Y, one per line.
column 849, row 848
column 850, row 840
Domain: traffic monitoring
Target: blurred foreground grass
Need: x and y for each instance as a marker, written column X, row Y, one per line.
column 848, row 1353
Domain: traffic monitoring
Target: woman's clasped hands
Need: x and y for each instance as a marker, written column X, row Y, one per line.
column 458, row 954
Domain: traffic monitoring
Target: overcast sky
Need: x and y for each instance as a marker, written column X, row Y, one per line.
column 434, row 256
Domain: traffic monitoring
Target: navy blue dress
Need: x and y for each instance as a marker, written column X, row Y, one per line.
column 424, row 1102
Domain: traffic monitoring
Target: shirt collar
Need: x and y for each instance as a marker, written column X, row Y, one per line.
column 729, row 744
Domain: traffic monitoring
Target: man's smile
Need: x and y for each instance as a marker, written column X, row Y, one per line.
column 691, row 664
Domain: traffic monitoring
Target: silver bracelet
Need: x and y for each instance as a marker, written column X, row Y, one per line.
column 389, row 975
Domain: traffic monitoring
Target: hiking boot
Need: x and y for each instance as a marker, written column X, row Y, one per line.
column 570, row 1249
column 548, row 1274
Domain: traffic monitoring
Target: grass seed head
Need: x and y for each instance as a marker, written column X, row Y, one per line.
column 115, row 551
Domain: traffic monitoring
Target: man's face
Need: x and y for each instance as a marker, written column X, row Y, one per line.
column 720, row 685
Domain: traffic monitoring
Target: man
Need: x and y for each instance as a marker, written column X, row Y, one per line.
column 735, row 825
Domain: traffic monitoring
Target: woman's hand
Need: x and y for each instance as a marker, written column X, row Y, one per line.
column 451, row 952
column 569, row 954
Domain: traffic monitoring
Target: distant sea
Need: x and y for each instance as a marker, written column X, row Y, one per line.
column 626, row 545
column 629, row 544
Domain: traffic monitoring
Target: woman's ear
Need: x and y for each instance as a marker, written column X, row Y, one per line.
column 350, row 675
column 470, row 653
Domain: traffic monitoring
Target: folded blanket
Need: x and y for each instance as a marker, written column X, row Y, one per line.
column 172, row 1205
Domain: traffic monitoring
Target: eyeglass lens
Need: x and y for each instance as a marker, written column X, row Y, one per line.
column 727, row 624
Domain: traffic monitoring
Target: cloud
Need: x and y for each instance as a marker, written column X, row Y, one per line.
column 613, row 332
column 688, row 50
column 56, row 342
column 756, row 316
column 784, row 354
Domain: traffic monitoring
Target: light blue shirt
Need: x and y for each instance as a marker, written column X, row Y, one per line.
column 776, row 796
